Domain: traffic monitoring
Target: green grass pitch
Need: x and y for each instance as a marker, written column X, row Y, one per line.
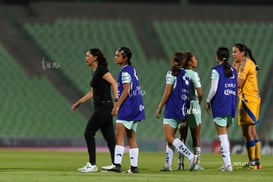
column 61, row 166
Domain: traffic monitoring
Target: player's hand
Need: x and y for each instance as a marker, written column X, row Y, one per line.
column 75, row 106
column 207, row 107
column 115, row 110
column 158, row 112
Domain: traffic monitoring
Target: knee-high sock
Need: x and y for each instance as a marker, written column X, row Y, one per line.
column 250, row 147
column 258, row 149
column 225, row 149
column 169, row 155
column 133, row 154
column 182, row 148
column 119, row 151
column 197, row 151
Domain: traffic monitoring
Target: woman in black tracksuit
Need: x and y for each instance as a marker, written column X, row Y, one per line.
column 102, row 119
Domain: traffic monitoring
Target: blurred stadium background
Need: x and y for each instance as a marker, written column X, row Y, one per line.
column 43, row 45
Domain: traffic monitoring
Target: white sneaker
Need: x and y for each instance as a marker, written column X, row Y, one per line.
column 225, row 168
column 193, row 162
column 88, row 168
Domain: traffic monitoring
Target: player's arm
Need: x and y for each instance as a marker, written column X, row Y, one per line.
column 213, row 89
column 164, row 99
column 86, row 97
column 123, row 96
column 199, row 94
column 240, row 82
column 109, row 78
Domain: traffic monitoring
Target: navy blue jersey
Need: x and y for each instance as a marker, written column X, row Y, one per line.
column 224, row 102
column 179, row 100
column 132, row 109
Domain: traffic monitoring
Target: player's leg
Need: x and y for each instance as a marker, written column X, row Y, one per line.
column 170, row 149
column 133, row 148
column 179, row 145
column 221, row 128
column 183, row 132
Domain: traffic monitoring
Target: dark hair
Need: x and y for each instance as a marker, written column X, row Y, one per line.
column 247, row 52
column 222, row 54
column 187, row 58
column 178, row 59
column 100, row 57
column 126, row 52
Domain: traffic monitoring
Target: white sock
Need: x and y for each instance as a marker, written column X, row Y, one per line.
column 197, row 151
column 180, row 158
column 182, row 148
column 169, row 155
column 119, row 151
column 225, row 150
column 133, row 154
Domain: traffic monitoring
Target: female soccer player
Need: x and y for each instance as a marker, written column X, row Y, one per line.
column 129, row 109
column 249, row 102
column 222, row 101
column 101, row 118
column 176, row 99
column 193, row 117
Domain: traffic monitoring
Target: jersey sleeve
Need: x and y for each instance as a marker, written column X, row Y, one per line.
column 170, row 79
column 214, row 85
column 243, row 70
column 126, row 77
column 196, row 80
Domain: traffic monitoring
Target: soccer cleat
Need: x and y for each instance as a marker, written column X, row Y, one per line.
column 193, row 162
column 88, row 168
column 180, row 167
column 132, row 170
column 107, row 167
column 112, row 168
column 166, row 168
column 250, row 165
column 258, row 164
column 198, row 167
column 225, row 168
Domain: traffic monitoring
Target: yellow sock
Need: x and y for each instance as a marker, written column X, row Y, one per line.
column 257, row 149
column 250, row 147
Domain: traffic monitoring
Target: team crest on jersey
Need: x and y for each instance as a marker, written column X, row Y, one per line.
column 241, row 69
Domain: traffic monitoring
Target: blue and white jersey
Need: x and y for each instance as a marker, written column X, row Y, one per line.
column 132, row 109
column 178, row 102
column 224, row 102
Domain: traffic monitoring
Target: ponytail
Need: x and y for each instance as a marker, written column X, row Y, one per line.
column 249, row 52
column 178, row 60
column 222, row 54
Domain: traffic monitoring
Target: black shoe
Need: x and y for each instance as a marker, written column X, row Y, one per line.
column 133, row 170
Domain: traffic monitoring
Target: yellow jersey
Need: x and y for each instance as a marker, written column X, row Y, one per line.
column 247, row 71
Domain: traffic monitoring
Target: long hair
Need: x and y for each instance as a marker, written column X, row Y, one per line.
column 126, row 52
column 222, row 54
column 187, row 58
column 178, row 61
column 100, row 57
column 247, row 52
